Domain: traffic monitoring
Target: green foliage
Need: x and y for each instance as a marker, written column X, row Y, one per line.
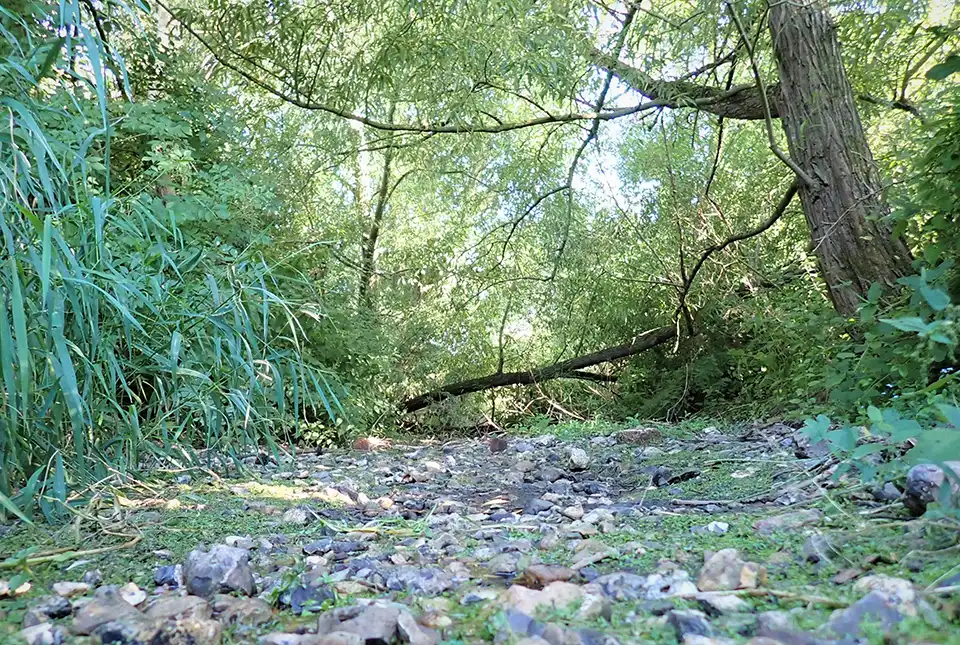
column 131, row 323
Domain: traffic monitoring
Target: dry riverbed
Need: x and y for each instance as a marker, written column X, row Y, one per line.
column 640, row 535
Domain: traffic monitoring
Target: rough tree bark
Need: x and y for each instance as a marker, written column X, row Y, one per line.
column 564, row 369
column 369, row 250
column 844, row 206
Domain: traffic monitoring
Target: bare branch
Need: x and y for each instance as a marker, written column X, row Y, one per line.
column 767, row 116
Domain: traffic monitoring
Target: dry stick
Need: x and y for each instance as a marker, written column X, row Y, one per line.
column 591, row 136
column 60, row 555
column 760, row 593
column 593, row 559
column 767, row 118
column 770, row 221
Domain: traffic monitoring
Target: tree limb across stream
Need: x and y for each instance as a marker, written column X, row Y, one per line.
column 564, row 369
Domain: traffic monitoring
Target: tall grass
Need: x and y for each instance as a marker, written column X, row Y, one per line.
column 119, row 333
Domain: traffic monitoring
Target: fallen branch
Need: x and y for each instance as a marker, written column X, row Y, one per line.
column 61, row 555
column 570, row 368
column 761, row 593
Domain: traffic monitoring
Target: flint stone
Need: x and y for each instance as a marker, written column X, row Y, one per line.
column 106, row 606
column 222, row 569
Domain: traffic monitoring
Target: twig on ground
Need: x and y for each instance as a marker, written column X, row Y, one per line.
column 61, row 555
column 760, row 593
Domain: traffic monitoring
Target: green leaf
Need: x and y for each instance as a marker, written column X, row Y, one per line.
column 59, row 480
column 937, row 299
column 844, row 439
column 944, row 69
column 951, row 413
column 913, row 324
column 10, row 507
column 866, row 449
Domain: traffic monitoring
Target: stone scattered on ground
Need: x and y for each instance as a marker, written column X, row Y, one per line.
column 535, row 540
column 220, row 569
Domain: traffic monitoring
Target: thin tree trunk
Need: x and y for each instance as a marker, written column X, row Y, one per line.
column 844, row 206
column 369, row 250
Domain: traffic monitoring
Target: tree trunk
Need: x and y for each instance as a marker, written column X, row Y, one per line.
column 369, row 250
column 844, row 206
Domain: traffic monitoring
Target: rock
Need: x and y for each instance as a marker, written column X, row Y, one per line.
column 318, row 546
column 296, row 516
column 594, row 604
column 239, row 542
column 70, row 589
column 242, row 611
column 52, row 607
column 426, row 581
column 540, row 575
column 573, row 512
column 556, row 595
column 790, row 638
column 901, row 591
column 725, row 571
column 93, row 577
column 773, row 621
column 803, row 448
column 503, row 565
column 133, row 594
column 689, row 622
column 179, row 607
column 43, row 634
column 578, row 459
column 369, row 444
column 280, row 638
column 480, row 595
column 661, row 476
column 549, row 541
column 538, row 505
column 168, row 575
column 924, row 485
column 350, row 588
column 598, row 516
column 819, row 548
column 713, row 528
column 134, row 629
column 550, row 474
column 876, row 607
column 525, row 466
column 639, row 436
column 722, row 604
column 412, row 633
column 196, row 631
column 787, row 521
column 696, row 639
column 630, row 586
column 221, row 569
column 375, row 623
column 846, row 575
column 887, row 493
column 106, row 606
column 310, row 598
column 6, row 591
